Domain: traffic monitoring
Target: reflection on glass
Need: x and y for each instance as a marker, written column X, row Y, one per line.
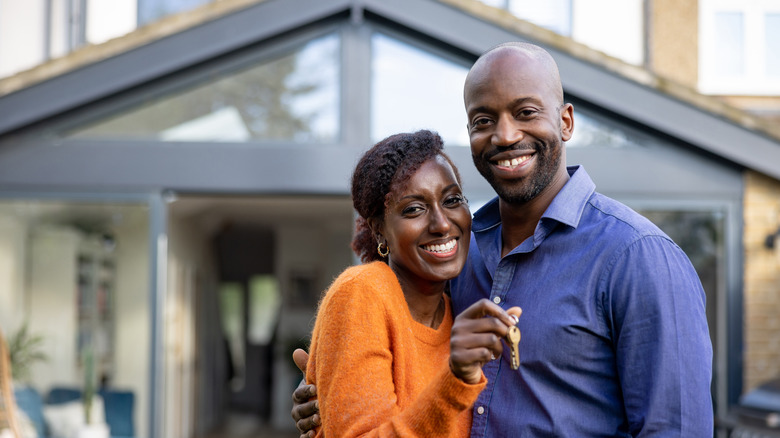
column 591, row 132
column 729, row 39
column 412, row 89
column 292, row 98
column 231, row 306
column 552, row 14
column 152, row 10
column 76, row 274
column 772, row 41
column 265, row 301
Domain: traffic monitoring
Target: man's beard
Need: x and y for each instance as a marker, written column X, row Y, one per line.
column 522, row 190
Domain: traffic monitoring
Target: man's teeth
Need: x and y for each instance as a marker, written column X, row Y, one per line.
column 447, row 247
column 514, row 162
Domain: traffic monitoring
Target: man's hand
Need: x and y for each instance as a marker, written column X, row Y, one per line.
column 305, row 412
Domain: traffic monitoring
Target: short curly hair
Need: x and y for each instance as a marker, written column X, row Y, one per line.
column 380, row 171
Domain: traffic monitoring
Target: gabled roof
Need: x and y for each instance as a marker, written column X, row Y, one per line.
column 467, row 26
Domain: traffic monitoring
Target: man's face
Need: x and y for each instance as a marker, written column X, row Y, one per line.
column 515, row 125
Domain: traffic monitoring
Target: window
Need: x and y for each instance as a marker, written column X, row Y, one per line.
column 619, row 32
column 152, row 10
column 739, row 47
column 52, row 28
column 592, row 132
column 403, row 100
column 290, row 98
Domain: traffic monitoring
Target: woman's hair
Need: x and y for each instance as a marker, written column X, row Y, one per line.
column 379, row 172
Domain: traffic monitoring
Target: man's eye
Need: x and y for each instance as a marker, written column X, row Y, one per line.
column 480, row 122
column 526, row 113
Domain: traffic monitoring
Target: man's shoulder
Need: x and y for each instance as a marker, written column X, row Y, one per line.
column 620, row 218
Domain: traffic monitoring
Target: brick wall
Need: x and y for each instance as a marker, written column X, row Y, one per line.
column 673, row 40
column 762, row 280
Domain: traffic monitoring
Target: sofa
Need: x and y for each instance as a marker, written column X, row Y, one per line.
column 61, row 403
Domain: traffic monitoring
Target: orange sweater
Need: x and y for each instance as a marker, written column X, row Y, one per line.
column 380, row 373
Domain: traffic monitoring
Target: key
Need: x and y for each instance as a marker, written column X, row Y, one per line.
column 512, row 339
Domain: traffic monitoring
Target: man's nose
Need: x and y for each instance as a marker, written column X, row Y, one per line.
column 507, row 132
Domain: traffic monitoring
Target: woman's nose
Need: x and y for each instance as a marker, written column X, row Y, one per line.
column 440, row 223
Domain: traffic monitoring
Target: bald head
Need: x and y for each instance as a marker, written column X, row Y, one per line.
column 531, row 62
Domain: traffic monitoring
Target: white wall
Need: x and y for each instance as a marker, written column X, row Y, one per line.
column 133, row 321
column 21, row 35
column 13, row 250
column 52, row 292
column 191, row 399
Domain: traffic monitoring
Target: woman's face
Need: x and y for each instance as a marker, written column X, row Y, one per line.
column 427, row 225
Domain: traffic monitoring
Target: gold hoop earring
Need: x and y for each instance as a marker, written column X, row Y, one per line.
column 379, row 250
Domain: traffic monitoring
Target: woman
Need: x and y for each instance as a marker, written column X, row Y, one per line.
column 380, row 352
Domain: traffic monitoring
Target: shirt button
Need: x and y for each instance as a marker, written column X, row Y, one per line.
column 481, row 410
column 496, row 300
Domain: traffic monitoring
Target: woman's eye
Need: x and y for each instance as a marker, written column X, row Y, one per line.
column 411, row 210
column 455, row 200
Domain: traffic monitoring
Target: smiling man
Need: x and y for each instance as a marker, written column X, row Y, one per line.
column 614, row 332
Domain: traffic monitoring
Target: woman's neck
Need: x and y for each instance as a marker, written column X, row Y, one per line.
column 425, row 301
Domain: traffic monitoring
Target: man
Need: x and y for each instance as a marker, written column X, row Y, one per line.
column 614, row 333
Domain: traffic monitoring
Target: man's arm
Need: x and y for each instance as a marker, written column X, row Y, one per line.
column 662, row 343
column 306, row 410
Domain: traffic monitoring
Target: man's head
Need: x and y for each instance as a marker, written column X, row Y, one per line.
column 517, row 121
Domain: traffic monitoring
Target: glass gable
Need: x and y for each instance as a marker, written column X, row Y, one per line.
column 411, row 89
column 592, row 132
column 291, row 98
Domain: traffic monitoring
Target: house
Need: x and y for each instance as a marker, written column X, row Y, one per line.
column 177, row 198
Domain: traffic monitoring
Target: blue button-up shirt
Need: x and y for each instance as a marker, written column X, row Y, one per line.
column 614, row 332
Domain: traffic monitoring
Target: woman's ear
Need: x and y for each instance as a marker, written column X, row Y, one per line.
column 376, row 228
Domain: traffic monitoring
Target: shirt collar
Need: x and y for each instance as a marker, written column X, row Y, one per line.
column 566, row 207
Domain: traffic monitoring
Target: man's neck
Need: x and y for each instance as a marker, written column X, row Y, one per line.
column 518, row 221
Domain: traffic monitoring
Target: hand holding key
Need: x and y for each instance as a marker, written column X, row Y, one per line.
column 476, row 338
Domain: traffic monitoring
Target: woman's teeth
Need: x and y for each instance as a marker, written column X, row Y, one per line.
column 446, row 247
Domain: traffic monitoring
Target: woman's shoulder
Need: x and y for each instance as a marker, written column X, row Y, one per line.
column 367, row 286
column 373, row 273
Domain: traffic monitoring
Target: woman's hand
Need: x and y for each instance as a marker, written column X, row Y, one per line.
column 476, row 338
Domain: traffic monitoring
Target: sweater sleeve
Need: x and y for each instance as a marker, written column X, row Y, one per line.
column 353, row 367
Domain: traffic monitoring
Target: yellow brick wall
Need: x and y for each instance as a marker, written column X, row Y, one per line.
column 673, row 41
column 761, row 280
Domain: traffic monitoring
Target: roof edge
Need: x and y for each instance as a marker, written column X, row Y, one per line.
column 638, row 74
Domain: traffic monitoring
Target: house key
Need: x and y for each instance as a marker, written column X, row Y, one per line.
column 512, row 339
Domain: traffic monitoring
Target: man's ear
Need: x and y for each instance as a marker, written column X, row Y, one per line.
column 567, row 121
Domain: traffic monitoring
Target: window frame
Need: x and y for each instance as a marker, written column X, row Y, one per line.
column 755, row 80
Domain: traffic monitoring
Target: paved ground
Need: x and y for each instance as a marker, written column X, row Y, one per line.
column 246, row 426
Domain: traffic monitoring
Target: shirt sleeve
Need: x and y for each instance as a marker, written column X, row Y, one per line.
column 662, row 343
column 354, row 376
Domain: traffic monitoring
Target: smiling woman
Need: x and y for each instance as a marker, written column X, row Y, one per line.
column 390, row 318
